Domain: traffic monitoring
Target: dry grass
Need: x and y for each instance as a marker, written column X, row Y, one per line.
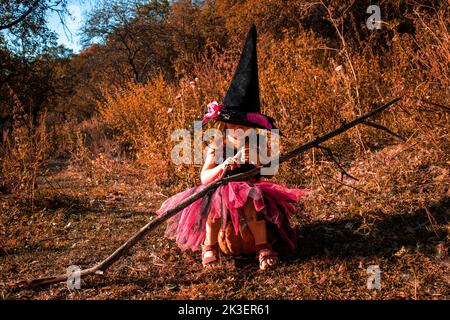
column 394, row 222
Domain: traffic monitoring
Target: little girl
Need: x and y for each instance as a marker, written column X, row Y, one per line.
column 239, row 217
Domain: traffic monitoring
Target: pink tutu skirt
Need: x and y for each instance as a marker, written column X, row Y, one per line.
column 275, row 202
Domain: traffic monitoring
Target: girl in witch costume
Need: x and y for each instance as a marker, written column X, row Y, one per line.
column 241, row 217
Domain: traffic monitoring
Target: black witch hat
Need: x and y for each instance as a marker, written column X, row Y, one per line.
column 241, row 104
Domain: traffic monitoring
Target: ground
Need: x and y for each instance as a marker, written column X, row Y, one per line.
column 79, row 221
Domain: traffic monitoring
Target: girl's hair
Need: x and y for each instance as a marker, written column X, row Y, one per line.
column 219, row 125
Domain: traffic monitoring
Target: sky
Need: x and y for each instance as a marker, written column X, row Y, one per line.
column 70, row 38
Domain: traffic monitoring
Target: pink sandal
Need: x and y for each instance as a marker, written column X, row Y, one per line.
column 265, row 255
column 214, row 258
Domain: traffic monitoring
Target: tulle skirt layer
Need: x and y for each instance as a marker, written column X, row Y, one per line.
column 274, row 201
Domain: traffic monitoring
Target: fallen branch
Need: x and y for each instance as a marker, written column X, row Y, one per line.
column 101, row 267
column 383, row 128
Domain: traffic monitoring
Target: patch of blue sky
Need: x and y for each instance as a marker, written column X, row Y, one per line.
column 69, row 33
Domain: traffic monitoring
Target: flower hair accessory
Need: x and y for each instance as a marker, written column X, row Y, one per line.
column 212, row 111
column 259, row 119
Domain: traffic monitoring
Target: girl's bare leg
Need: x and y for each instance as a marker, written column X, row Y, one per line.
column 258, row 228
column 210, row 246
column 212, row 231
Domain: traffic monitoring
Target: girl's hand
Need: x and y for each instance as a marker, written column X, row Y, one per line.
column 244, row 156
column 230, row 163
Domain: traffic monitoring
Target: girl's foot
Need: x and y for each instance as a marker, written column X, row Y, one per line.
column 210, row 255
column 268, row 259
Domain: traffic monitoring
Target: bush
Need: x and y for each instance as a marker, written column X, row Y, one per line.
column 308, row 87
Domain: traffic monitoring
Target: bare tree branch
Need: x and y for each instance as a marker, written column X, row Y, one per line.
column 336, row 161
column 383, row 128
column 22, row 17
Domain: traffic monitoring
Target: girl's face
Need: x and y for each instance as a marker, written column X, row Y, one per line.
column 232, row 133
